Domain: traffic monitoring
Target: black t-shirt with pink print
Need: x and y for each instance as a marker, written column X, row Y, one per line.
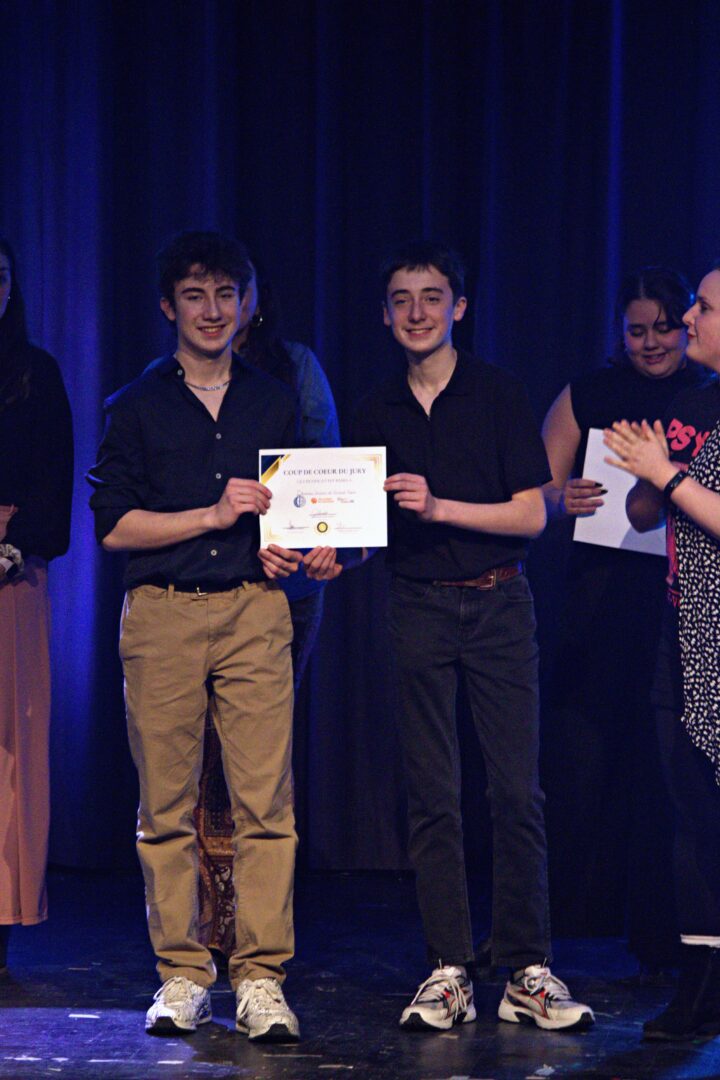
column 688, row 422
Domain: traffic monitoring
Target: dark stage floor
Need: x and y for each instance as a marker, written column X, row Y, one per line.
column 80, row 984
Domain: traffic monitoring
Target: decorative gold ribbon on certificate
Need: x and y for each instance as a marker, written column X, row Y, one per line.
column 270, row 472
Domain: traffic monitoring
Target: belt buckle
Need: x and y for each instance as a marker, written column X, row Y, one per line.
column 492, row 582
column 198, row 591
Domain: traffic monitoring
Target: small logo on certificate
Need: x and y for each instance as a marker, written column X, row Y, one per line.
column 299, row 500
column 322, row 526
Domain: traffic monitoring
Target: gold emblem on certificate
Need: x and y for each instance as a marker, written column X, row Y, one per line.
column 325, row 496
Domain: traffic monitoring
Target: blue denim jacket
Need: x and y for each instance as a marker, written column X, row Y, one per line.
column 318, row 427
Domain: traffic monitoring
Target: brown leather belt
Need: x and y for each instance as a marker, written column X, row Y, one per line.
column 489, row 579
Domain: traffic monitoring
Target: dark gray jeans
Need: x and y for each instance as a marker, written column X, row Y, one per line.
column 490, row 635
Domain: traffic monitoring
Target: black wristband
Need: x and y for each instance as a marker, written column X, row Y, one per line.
column 672, row 484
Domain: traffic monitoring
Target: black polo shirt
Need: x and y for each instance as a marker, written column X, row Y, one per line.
column 480, row 444
column 162, row 451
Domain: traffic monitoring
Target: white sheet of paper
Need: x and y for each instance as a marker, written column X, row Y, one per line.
column 329, row 496
column 609, row 525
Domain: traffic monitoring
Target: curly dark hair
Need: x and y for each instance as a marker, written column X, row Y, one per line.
column 217, row 255
column 14, row 344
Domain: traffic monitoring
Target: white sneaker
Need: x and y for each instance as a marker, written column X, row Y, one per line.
column 540, row 998
column 263, row 1013
column 180, row 1005
column 446, row 998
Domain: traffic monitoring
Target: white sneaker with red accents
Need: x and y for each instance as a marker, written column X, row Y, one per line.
column 445, row 999
column 538, row 997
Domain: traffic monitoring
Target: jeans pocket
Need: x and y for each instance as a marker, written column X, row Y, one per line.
column 408, row 589
column 516, row 590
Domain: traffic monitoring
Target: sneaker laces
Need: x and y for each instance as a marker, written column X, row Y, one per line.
column 264, row 995
column 176, row 989
column 439, row 981
column 537, row 978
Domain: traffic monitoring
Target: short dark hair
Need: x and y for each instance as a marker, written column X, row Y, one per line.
column 215, row 254
column 421, row 254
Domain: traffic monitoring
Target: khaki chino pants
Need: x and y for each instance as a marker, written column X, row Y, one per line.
column 175, row 648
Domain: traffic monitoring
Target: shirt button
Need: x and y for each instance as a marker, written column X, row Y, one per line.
column 213, row 552
column 218, row 476
column 218, row 435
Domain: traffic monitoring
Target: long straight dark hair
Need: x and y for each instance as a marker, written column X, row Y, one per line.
column 265, row 347
column 14, row 350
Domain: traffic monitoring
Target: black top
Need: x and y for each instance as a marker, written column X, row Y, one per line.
column 480, row 444
column 36, row 462
column 621, row 393
column 162, row 451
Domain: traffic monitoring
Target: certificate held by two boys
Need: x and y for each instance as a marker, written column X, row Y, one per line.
column 325, row 496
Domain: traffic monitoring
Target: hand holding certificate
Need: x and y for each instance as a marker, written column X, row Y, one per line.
column 324, row 496
column 609, row 525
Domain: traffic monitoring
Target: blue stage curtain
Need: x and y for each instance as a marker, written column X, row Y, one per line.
column 556, row 143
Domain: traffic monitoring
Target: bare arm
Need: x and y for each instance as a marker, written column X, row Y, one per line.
column 564, row 494
column 145, row 529
column 643, row 451
column 522, row 515
column 645, row 507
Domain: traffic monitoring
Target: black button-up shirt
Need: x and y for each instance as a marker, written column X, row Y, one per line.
column 162, row 451
column 480, row 444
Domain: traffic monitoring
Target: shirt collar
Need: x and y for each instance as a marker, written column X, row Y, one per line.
column 168, row 365
column 460, row 384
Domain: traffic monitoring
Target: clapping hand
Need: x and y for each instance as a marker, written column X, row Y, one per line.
column 640, row 450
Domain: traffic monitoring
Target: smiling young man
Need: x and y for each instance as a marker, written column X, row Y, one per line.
column 175, row 487
column 466, row 465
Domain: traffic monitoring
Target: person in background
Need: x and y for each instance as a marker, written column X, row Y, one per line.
column 259, row 342
column 36, row 469
column 678, row 471
column 608, row 817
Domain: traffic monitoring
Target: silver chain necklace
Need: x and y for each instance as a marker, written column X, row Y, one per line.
column 220, row 386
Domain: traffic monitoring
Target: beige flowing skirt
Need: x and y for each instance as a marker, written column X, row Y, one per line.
column 24, row 735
